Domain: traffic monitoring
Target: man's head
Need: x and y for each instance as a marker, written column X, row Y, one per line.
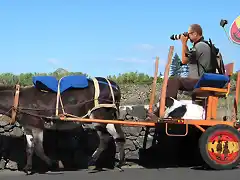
column 195, row 32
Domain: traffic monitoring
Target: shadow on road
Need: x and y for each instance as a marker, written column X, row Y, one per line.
column 170, row 151
column 74, row 148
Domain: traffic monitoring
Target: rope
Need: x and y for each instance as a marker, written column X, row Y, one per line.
column 227, row 35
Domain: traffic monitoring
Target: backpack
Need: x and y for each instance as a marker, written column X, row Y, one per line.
column 216, row 59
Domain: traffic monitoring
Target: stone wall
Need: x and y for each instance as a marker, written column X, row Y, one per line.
column 140, row 94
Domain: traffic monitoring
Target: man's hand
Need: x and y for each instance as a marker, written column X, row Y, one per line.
column 151, row 117
column 184, row 39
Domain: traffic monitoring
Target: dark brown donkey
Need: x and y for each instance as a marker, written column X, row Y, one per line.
column 37, row 103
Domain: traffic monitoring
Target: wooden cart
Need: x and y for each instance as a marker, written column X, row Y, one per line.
column 219, row 142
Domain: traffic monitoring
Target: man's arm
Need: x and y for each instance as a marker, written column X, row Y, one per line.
column 184, row 53
column 185, row 50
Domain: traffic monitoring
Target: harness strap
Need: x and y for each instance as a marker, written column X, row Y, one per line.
column 96, row 101
column 96, row 96
column 110, row 86
column 58, row 97
column 97, row 92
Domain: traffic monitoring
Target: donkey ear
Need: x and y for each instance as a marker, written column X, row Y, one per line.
column 169, row 102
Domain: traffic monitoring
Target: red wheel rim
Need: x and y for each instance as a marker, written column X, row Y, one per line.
column 223, row 147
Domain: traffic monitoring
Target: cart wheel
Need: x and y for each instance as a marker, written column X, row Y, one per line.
column 219, row 147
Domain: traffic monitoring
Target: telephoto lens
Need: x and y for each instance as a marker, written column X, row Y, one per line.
column 178, row 36
column 175, row 37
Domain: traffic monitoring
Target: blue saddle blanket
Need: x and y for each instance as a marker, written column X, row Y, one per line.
column 212, row 80
column 72, row 81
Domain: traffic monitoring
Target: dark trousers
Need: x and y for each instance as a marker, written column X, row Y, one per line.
column 178, row 83
column 174, row 84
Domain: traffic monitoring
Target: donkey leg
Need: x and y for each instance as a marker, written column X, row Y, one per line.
column 29, row 151
column 38, row 140
column 4, row 151
column 116, row 131
column 104, row 139
column 121, row 156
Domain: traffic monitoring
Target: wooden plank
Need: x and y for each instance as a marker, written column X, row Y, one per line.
column 152, row 96
column 211, row 89
column 165, row 81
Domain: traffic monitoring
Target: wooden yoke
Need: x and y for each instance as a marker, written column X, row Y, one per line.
column 165, row 81
column 15, row 104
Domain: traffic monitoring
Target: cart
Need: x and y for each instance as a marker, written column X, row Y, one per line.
column 219, row 142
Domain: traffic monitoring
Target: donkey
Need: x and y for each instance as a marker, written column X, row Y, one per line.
column 37, row 103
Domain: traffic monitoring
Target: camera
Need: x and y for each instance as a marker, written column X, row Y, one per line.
column 178, row 36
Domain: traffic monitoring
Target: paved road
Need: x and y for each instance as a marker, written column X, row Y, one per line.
column 130, row 173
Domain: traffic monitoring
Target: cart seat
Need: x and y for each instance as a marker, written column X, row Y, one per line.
column 217, row 84
column 211, row 87
column 211, row 82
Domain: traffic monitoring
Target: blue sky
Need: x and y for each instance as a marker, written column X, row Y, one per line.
column 105, row 37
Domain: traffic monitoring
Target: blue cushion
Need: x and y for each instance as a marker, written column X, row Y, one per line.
column 72, row 81
column 212, row 80
column 49, row 81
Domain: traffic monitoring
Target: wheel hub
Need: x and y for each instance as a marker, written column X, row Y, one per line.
column 223, row 147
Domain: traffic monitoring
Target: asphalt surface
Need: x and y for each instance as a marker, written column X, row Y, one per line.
column 128, row 173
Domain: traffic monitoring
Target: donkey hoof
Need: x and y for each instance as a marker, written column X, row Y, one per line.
column 91, row 163
column 120, row 164
column 119, row 167
column 60, row 165
column 27, row 170
column 92, row 167
column 56, row 166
